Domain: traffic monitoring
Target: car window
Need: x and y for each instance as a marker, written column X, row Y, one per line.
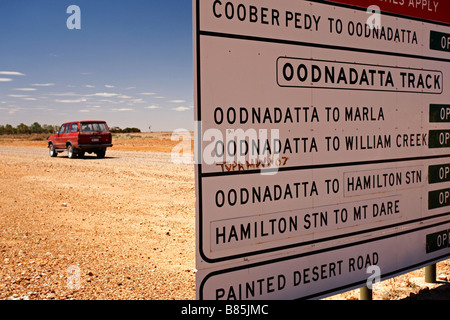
column 74, row 127
column 61, row 129
column 67, row 128
column 94, row 126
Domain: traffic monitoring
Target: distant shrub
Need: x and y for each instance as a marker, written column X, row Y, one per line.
column 24, row 129
column 36, row 127
column 126, row 130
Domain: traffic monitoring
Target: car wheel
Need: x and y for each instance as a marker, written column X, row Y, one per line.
column 70, row 151
column 101, row 153
column 52, row 150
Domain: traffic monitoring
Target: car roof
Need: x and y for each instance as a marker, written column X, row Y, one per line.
column 85, row 121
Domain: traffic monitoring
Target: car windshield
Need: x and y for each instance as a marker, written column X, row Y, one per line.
column 93, row 126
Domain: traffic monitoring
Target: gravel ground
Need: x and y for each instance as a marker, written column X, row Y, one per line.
column 115, row 228
column 122, row 227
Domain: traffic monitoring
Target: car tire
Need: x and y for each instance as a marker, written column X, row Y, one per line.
column 71, row 152
column 52, row 151
column 101, row 153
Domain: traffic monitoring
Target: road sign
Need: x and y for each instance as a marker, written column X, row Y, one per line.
column 320, row 138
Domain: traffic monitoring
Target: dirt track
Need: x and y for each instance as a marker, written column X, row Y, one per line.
column 126, row 223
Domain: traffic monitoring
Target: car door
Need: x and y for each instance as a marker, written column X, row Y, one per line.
column 65, row 135
column 72, row 136
column 58, row 139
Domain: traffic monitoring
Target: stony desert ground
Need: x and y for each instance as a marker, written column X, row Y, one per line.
column 122, row 227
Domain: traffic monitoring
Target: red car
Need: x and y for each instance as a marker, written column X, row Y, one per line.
column 79, row 137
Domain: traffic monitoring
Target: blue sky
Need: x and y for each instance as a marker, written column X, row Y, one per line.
column 130, row 63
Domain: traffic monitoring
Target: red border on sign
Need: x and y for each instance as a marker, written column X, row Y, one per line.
column 431, row 10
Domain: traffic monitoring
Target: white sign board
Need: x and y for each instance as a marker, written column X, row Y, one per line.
column 322, row 147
